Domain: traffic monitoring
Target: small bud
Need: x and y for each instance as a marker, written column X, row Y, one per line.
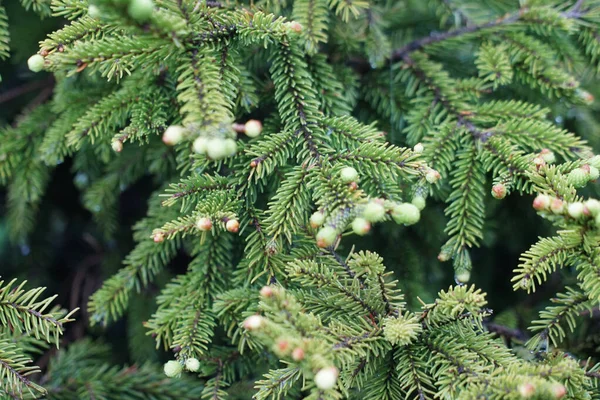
column 159, row 237
column 432, row 176
column 230, row 147
column 361, row 226
column 266, row 291
column 348, row 174
column 216, row 149
column 117, row 146
column 557, row 206
column 541, row 202
column 444, row 256
column 575, row 210
column 373, row 211
column 253, row 322
column 462, row 277
column 253, row 128
column 419, row 202
column 232, row 226
column 282, row 346
column 406, row 213
column 594, row 161
column 352, row 186
column 578, row 177
column 253, row 164
column 539, row 161
column 94, row 12
column 173, row 135
column 204, row 224
column 36, row 63
column 418, row 148
column 326, row 378
column 558, row 390
column 499, row 191
column 192, row 364
column 593, row 206
column 326, row 236
column 200, row 145
column 140, row 10
column 298, row 354
column 586, row 96
column 173, row 369
column 294, row 26
column 594, row 173
column 317, row 219
column 526, row 390
column 548, row 156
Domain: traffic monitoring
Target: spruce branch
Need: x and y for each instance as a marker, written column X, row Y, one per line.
column 521, row 15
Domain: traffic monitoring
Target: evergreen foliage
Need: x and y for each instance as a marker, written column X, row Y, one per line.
column 273, row 134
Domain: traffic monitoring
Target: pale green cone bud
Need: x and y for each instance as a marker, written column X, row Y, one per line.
column 298, row 354
column 94, row 12
column 36, row 63
column 462, row 277
column 499, row 191
column 233, row 226
column 141, row 10
column 558, row 390
column 526, row 390
column 419, row 202
column 294, row 26
column 594, row 161
column 592, row 206
column 326, row 236
column 361, row 226
column 578, row 177
column 200, row 145
column 418, row 148
column 432, row 176
column 117, row 146
column 548, row 156
column 192, row 364
column 282, row 346
column 317, row 219
column 173, row 135
column 204, row 224
column 254, row 322
column 575, row 210
column 173, row 369
column 253, row 128
column 557, row 206
column 230, row 147
column 541, row 202
column 216, row 149
column 373, row 212
column 267, row 291
column 348, row 174
column 326, row 378
column 406, row 213
column 594, row 173
column 584, row 95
